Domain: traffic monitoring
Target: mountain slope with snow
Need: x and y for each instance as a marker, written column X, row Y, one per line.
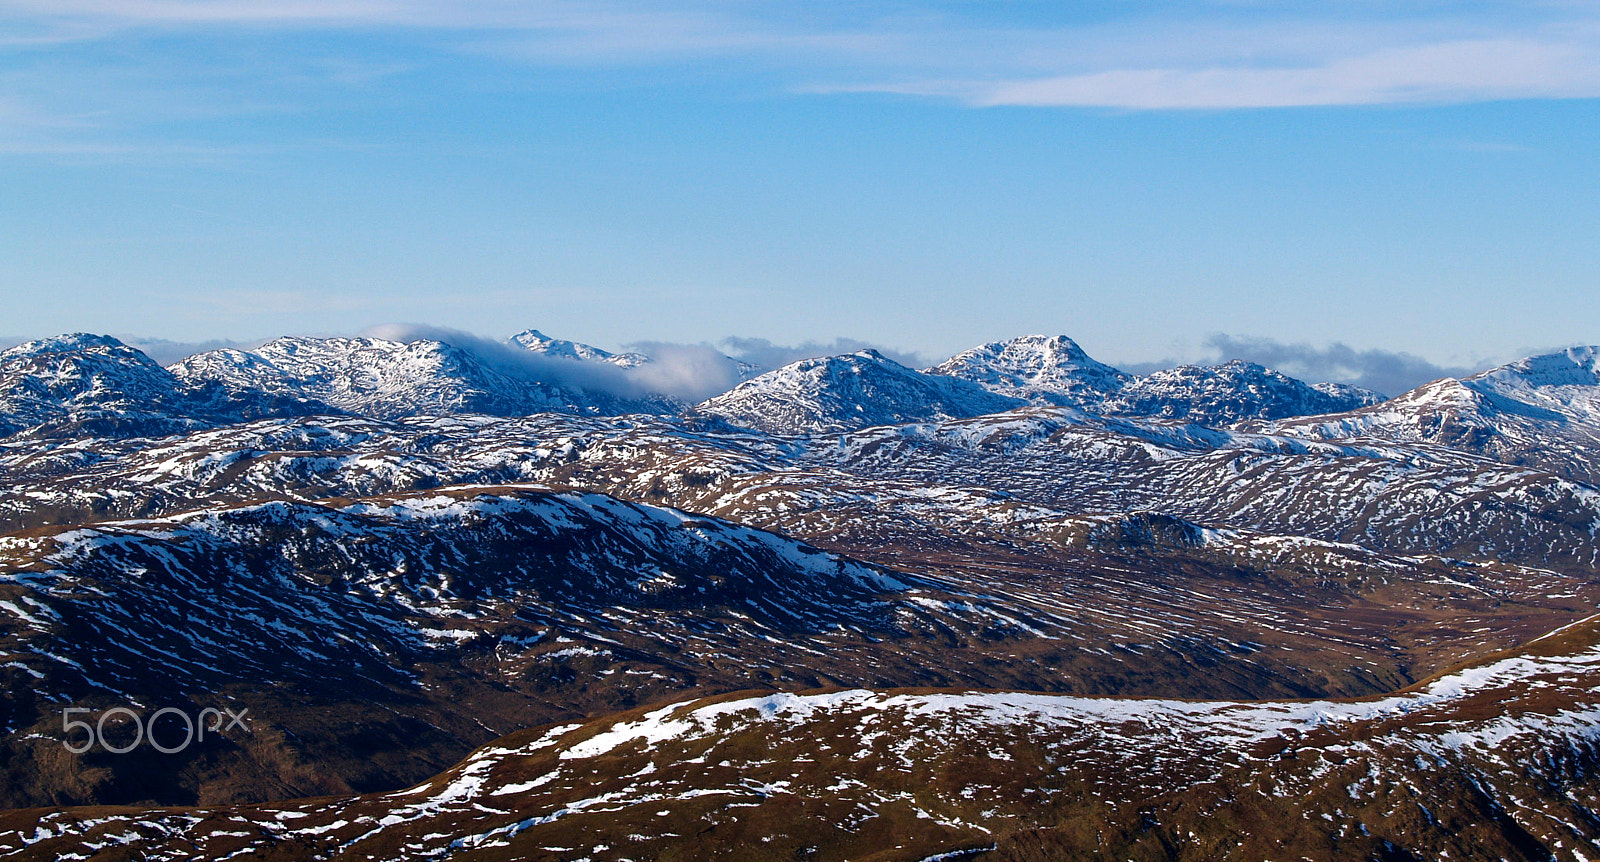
column 1221, row 395
column 855, row 390
column 1037, row 369
column 81, row 385
column 446, row 611
column 537, row 342
column 390, row 379
column 1542, row 411
column 1494, row 761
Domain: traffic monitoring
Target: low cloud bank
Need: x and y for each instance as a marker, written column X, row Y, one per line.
column 1389, row 372
column 695, row 372
column 760, row 351
column 686, row 372
column 166, row 352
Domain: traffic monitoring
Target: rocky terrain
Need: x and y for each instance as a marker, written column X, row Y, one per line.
column 1013, row 606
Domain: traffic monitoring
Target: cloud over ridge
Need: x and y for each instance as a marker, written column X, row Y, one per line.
column 1385, row 371
column 762, row 352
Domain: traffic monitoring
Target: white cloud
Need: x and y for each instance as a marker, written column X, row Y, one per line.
column 1449, row 72
column 1208, row 56
column 1385, row 371
column 763, row 353
column 599, row 17
column 688, row 372
column 208, row 11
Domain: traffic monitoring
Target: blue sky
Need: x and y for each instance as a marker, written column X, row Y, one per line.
column 1159, row 181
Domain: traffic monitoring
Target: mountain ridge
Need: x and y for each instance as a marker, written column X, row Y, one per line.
column 389, row 379
column 854, row 390
column 1453, row 769
column 1541, row 411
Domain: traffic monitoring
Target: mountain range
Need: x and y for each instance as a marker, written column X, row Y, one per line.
column 98, row 379
column 508, row 601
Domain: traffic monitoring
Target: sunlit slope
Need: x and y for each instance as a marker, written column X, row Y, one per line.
column 1496, row 760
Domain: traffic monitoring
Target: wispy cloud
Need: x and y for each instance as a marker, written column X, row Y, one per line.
column 1446, row 72
column 671, row 21
column 1217, row 55
column 688, row 372
column 210, row 11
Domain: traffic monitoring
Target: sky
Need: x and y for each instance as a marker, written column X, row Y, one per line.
column 1356, row 190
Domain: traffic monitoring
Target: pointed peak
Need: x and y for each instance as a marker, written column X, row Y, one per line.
column 530, row 336
column 1040, row 351
column 1044, row 369
column 1053, row 343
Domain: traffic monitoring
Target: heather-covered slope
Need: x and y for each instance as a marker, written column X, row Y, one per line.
column 1494, row 761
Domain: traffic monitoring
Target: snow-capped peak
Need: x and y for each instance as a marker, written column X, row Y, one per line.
column 1223, row 394
column 852, row 390
column 538, row 342
column 1575, row 366
column 1038, row 368
column 1540, row 411
column 69, row 343
column 82, row 369
column 86, row 385
column 391, row 379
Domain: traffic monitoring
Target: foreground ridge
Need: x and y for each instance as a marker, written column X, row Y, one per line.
column 1491, row 761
